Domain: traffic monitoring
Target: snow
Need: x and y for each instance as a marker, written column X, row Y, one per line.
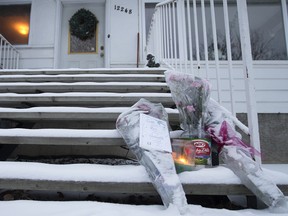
column 124, row 173
column 15, row 132
column 84, row 75
column 105, row 173
column 87, row 94
column 83, row 70
column 131, row 173
column 113, row 133
column 76, row 208
column 76, row 172
column 85, row 83
column 75, row 109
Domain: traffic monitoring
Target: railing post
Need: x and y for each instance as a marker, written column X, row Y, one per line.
column 1, row 48
column 164, row 35
column 181, row 35
column 184, row 28
column 205, row 37
column 190, row 47
column 11, row 58
column 170, row 34
column 229, row 55
column 285, row 21
column 158, row 34
column 4, row 54
column 248, row 76
column 216, row 56
column 17, row 62
column 174, row 34
column 196, row 34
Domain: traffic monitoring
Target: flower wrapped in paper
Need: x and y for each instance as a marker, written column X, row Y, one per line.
column 191, row 96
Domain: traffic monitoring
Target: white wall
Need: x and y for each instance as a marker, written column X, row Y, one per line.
column 33, row 57
column 42, row 22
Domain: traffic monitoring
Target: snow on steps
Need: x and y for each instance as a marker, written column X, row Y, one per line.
column 84, row 78
column 79, row 137
column 89, row 95
column 86, row 99
column 73, row 113
column 58, row 87
column 121, row 179
column 83, row 71
column 99, row 102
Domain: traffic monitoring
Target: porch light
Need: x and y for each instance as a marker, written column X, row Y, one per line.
column 22, row 28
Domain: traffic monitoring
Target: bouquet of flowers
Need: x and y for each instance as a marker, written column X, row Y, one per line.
column 238, row 157
column 197, row 111
column 191, row 97
column 158, row 164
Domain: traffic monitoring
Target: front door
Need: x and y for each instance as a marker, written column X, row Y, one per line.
column 79, row 52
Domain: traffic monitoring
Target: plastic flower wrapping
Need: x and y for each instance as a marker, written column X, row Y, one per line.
column 196, row 110
column 191, row 96
column 158, row 164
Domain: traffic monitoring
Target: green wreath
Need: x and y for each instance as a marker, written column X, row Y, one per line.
column 83, row 24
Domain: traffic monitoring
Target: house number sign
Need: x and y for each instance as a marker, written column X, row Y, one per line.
column 122, row 9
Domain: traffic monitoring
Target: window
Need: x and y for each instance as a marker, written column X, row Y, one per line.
column 15, row 23
column 77, row 45
column 267, row 30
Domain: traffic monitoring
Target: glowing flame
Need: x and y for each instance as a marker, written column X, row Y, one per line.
column 183, row 160
column 22, row 28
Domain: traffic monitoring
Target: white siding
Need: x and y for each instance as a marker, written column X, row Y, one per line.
column 271, row 85
column 33, row 57
column 42, row 26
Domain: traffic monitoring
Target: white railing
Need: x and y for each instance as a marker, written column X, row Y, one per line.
column 9, row 56
column 174, row 39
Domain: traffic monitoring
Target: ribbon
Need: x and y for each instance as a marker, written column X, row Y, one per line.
column 227, row 136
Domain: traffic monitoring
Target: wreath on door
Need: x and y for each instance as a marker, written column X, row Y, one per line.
column 83, row 24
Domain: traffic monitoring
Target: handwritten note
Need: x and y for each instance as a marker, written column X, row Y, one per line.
column 154, row 134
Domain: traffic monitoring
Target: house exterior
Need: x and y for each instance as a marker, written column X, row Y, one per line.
column 47, row 46
column 120, row 41
column 121, row 36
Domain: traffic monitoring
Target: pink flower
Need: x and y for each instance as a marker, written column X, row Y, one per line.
column 178, row 103
column 190, row 108
column 173, row 77
column 196, row 84
column 144, row 107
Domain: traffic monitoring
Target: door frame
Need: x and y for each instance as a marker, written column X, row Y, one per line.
column 58, row 27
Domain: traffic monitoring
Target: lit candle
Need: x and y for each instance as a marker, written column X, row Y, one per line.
column 183, row 155
column 183, row 164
